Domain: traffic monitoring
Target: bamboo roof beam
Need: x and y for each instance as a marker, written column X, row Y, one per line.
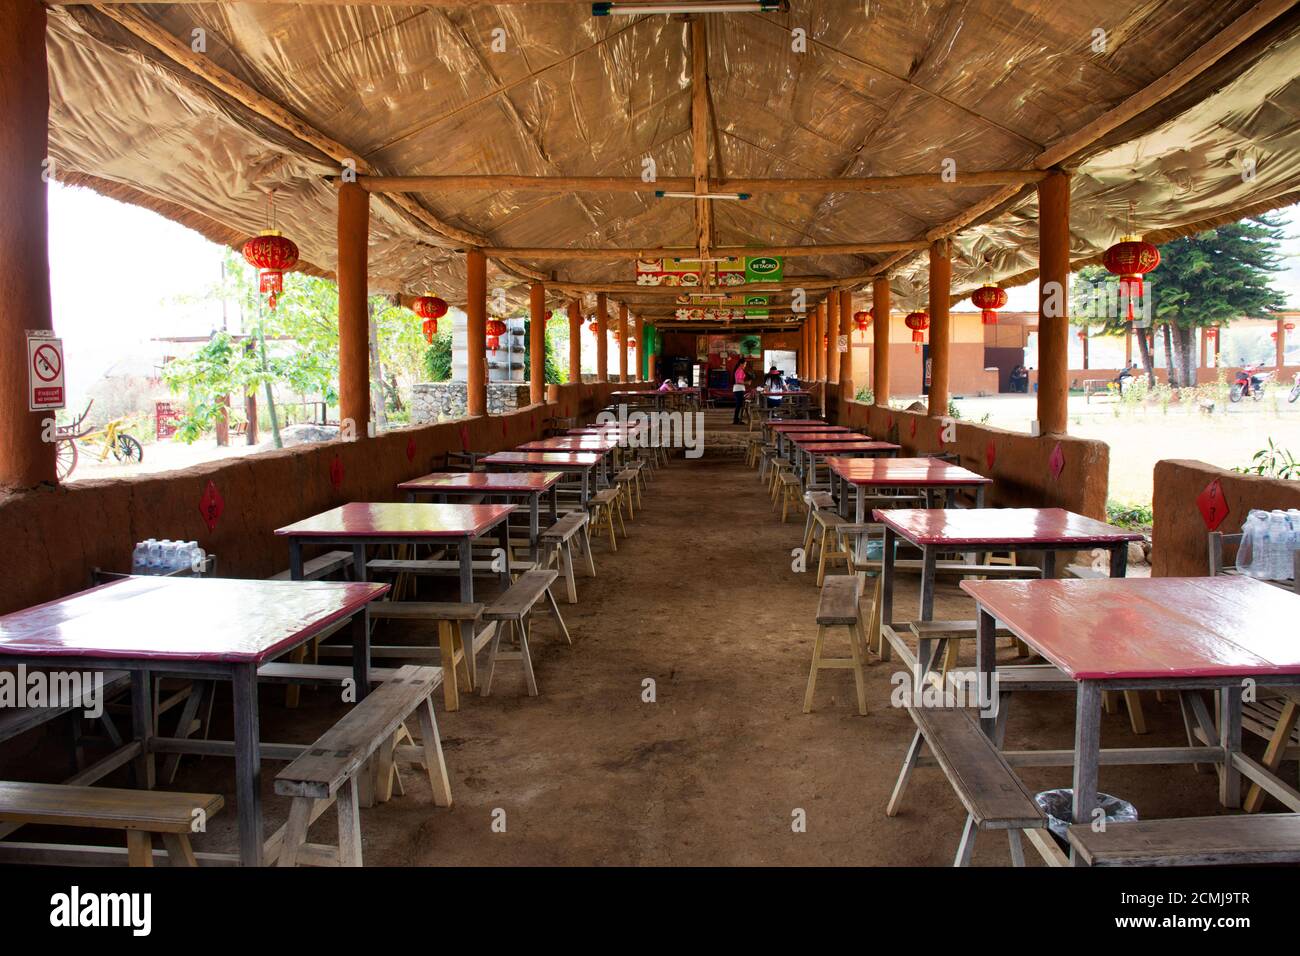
column 700, row 135
column 487, row 182
column 826, row 249
column 227, row 83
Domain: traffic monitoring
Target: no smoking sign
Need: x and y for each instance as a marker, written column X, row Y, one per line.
column 44, row 372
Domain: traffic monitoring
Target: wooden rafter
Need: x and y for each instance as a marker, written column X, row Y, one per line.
column 667, row 252
column 1071, row 145
column 700, row 134
column 207, row 70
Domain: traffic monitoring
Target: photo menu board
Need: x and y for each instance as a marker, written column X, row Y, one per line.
column 689, row 273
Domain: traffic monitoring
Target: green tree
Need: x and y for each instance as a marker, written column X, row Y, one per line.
column 555, row 375
column 1210, row 278
column 437, row 357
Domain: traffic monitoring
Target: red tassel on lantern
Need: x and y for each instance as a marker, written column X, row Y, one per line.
column 1130, row 259
column 988, row 299
column 430, row 327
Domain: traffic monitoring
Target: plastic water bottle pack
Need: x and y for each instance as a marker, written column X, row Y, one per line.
column 152, row 556
column 1269, row 541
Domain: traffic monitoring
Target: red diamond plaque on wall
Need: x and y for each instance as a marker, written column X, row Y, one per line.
column 1057, row 462
column 1213, row 505
column 990, row 454
column 336, row 473
column 211, row 504
column 410, row 448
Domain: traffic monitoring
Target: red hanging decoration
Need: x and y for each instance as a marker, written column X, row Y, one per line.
column 862, row 320
column 272, row 255
column 430, row 327
column 1212, row 505
column 495, row 329
column 918, row 322
column 211, row 505
column 988, row 299
column 431, row 309
column 593, row 327
column 336, row 473
column 631, row 342
column 1130, row 259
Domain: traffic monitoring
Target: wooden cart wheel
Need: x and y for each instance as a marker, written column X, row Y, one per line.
column 65, row 457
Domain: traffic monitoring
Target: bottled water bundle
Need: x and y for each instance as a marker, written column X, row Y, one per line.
column 1269, row 541
column 167, row 556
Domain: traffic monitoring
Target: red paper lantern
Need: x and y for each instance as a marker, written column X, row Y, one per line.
column 430, row 307
column 918, row 322
column 272, row 255
column 495, row 329
column 1130, row 259
column 988, row 299
column 1212, row 332
column 593, row 327
column 862, row 320
column 1289, row 326
column 631, row 342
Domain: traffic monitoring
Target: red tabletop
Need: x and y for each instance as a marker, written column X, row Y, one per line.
column 484, row 482
column 578, row 459
column 399, row 520
column 594, row 443
column 1151, row 627
column 193, row 619
column 904, row 472
column 775, row 394
column 1000, row 526
column 803, row 438
column 842, row 447
column 806, row 425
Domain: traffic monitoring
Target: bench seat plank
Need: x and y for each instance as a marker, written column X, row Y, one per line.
column 515, row 604
column 982, row 779
column 319, row 567
column 1192, row 841
column 838, row 602
column 341, row 750
column 154, row 811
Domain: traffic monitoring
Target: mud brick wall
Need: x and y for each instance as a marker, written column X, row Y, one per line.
column 54, row 536
column 1180, row 537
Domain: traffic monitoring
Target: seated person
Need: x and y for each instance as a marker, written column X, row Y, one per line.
column 773, row 381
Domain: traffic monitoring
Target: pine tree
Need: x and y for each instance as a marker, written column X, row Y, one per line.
column 1207, row 279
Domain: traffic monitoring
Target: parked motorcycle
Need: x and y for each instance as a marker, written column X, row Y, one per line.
column 1295, row 390
column 1249, row 381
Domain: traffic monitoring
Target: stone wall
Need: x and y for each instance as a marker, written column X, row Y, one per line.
column 440, row 401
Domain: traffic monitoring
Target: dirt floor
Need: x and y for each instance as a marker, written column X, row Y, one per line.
column 700, row 599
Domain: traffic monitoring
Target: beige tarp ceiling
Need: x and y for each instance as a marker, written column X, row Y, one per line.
column 884, row 87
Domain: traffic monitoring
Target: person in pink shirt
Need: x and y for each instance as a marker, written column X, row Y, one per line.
column 738, row 388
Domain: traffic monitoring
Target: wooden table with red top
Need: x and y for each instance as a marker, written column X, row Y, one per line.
column 784, row 430
column 931, row 475
column 578, row 463
column 200, row 628
column 973, row 530
column 1222, row 634
column 527, row 486
column 843, row 446
column 359, row 525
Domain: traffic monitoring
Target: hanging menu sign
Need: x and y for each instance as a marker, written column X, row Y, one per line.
column 732, row 271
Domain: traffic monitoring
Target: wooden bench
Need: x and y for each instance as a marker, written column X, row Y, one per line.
column 437, row 567
column 451, row 643
column 988, row 788
column 604, row 505
column 141, row 813
column 331, row 771
column 331, row 562
column 19, row 720
column 511, row 611
column 557, row 543
column 839, row 606
column 1192, row 841
column 626, row 483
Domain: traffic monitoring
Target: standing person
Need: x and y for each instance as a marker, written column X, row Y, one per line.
column 738, row 386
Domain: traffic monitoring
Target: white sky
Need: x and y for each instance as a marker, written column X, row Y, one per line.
column 117, row 272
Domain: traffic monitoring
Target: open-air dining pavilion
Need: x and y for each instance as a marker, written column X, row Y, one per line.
column 583, row 631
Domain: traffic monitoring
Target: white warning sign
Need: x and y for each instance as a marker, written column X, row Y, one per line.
column 44, row 371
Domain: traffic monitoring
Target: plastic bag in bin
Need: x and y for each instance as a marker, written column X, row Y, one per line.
column 1059, row 807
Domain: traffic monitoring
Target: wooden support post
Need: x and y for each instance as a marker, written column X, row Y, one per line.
column 880, row 307
column 354, row 316
column 1205, row 347
column 940, row 327
column 536, row 343
column 476, row 332
column 846, row 357
column 1128, row 346
column 575, row 340
column 1053, row 303
column 819, row 343
column 1281, row 344
column 832, row 337
column 25, row 460
column 622, row 343
column 602, row 338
